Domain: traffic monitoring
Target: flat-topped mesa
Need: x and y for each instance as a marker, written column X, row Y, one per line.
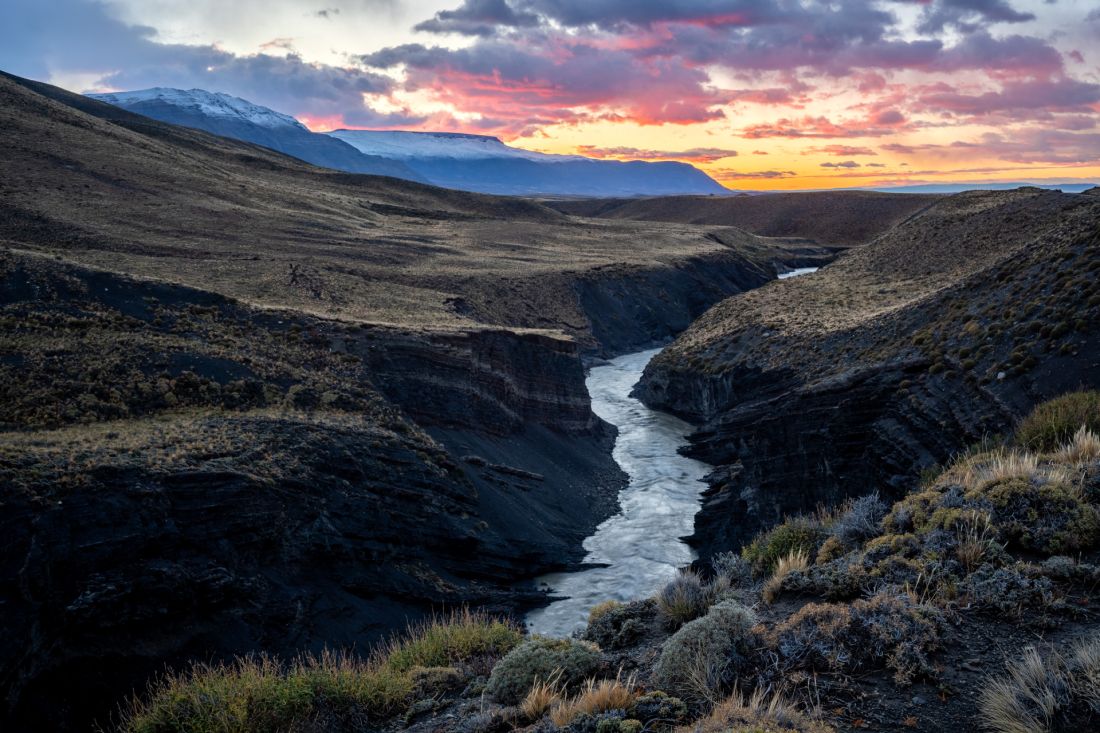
column 853, row 379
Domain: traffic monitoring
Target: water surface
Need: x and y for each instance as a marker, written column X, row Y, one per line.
column 640, row 545
column 797, row 272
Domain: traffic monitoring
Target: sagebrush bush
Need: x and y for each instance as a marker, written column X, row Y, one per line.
column 733, row 568
column 1056, row 693
column 860, row 520
column 795, row 534
column 1053, row 424
column 703, row 657
column 685, row 597
column 620, row 625
column 888, row 630
column 1046, row 517
column 568, row 661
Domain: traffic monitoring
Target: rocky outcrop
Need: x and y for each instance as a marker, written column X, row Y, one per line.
column 858, row 378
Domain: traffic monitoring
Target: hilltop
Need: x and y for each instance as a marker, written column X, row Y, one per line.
column 837, row 218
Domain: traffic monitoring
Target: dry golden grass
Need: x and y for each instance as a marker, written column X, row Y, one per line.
column 758, row 712
column 179, row 205
column 795, row 560
column 977, row 537
column 544, row 695
column 1083, row 448
column 596, row 697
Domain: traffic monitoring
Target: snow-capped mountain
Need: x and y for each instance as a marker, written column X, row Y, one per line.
column 485, row 164
column 406, row 145
column 229, row 116
column 200, row 101
column 453, row 160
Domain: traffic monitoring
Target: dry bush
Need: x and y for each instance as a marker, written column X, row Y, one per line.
column 795, row 560
column 595, row 698
column 1084, row 447
column 542, row 696
column 976, row 540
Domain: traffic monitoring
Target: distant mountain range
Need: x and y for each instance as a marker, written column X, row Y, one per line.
column 485, row 164
column 468, row 162
column 239, row 119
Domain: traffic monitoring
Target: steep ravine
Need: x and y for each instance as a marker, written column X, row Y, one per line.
column 277, row 502
column 800, row 403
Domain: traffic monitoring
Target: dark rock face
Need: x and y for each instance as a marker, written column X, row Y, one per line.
column 793, row 421
column 633, row 309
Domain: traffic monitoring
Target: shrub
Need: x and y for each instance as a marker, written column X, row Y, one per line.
column 758, row 714
column 885, row 631
column 1047, row 517
column 1052, row 424
column 567, row 660
column 1009, row 592
column 619, row 626
column 601, row 609
column 733, row 568
column 658, row 706
column 703, row 656
column 259, row 695
column 684, row 598
column 860, row 521
column 767, row 548
column 1047, row 694
column 463, row 638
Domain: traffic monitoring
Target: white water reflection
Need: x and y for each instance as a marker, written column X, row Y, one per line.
column 797, row 272
column 641, row 545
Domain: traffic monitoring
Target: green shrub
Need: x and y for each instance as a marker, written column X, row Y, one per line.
column 658, row 706
column 260, row 695
column 568, row 661
column 1052, row 424
column 704, row 656
column 1051, row 518
column 462, row 638
column 803, row 534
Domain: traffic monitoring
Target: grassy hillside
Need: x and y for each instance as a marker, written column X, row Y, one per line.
column 842, row 218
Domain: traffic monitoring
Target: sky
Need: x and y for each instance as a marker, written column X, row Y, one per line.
column 784, row 94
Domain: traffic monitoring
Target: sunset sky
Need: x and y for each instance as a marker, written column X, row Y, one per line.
column 761, row 95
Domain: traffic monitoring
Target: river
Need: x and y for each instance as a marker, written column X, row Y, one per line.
column 639, row 548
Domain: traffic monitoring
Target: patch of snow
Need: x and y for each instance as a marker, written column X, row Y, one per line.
column 211, row 104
